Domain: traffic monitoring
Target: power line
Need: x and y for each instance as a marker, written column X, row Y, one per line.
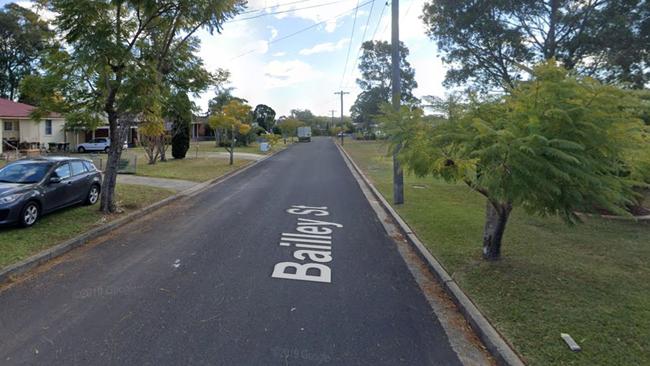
column 381, row 16
column 306, row 29
column 409, row 8
column 274, row 6
column 363, row 37
column 286, row 11
column 347, row 57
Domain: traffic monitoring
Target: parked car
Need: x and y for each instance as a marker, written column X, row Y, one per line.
column 30, row 188
column 98, row 144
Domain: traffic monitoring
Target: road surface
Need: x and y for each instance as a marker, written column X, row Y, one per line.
column 246, row 273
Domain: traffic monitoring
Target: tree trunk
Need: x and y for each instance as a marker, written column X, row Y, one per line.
column 110, row 173
column 550, row 43
column 496, row 218
column 163, row 148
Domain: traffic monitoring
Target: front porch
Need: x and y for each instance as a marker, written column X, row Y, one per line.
column 26, row 136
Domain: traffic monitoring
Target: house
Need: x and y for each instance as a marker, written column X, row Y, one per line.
column 18, row 130
column 200, row 130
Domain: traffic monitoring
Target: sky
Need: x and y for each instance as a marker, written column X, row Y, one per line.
column 303, row 71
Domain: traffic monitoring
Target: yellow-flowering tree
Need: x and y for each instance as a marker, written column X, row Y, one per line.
column 231, row 121
column 152, row 131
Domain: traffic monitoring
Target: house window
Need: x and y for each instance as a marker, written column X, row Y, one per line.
column 48, row 126
column 9, row 126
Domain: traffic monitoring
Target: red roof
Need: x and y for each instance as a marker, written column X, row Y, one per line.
column 10, row 109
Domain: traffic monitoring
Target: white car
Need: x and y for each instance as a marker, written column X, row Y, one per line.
column 98, row 144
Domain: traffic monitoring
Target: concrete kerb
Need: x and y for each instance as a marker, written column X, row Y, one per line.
column 491, row 338
column 16, row 269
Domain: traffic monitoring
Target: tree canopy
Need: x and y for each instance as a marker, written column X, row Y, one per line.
column 556, row 145
column 493, row 43
column 264, row 116
column 24, row 37
column 119, row 53
column 375, row 82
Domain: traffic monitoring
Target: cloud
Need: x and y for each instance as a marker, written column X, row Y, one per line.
column 329, row 11
column 411, row 27
column 325, row 47
column 274, row 32
column 285, row 73
column 38, row 9
column 261, row 46
column 279, row 54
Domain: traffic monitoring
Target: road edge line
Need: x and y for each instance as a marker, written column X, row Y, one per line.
column 9, row 272
column 491, row 338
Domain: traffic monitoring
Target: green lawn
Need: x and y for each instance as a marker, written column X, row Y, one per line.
column 591, row 280
column 17, row 243
column 197, row 170
column 209, row 146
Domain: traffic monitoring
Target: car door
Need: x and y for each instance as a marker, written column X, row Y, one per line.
column 94, row 144
column 57, row 194
column 79, row 181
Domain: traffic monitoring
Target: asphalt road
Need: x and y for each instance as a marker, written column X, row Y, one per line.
column 192, row 283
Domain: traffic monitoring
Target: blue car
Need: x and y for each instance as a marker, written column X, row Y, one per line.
column 30, row 188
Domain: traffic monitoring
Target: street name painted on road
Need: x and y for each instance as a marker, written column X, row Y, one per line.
column 312, row 242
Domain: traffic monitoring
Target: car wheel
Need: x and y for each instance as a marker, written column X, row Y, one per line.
column 93, row 195
column 29, row 214
column 81, row 149
column 106, row 149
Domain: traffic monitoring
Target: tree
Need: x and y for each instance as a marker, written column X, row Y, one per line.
column 223, row 96
column 232, row 120
column 106, row 41
column 494, row 43
column 215, row 105
column 180, row 112
column 289, row 128
column 558, row 144
column 375, row 66
column 24, row 37
column 264, row 116
column 151, row 131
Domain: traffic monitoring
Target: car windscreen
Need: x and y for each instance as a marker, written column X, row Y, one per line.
column 24, row 173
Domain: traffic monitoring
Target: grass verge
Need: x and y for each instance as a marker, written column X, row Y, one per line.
column 254, row 148
column 591, row 280
column 17, row 244
column 196, row 170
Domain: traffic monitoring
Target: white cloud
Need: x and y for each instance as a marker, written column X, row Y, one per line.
column 411, row 27
column 331, row 13
column 285, row 73
column 274, row 33
column 261, row 47
column 325, row 47
column 274, row 77
column 40, row 10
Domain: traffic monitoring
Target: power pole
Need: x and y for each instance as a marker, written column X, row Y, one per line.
column 341, row 93
column 332, row 124
column 398, row 174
